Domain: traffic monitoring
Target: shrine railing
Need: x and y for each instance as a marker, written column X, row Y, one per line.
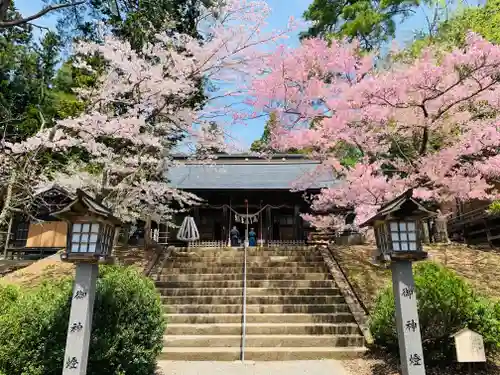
column 220, row 244
column 214, row 244
column 286, row 243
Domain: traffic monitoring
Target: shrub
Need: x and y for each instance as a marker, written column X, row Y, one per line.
column 127, row 327
column 446, row 304
column 8, row 295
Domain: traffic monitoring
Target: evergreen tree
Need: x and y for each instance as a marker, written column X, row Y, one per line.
column 371, row 22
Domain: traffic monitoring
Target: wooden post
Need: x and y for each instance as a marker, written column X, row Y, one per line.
column 226, row 226
column 7, row 239
column 261, row 218
column 116, row 237
column 269, row 223
column 196, row 214
column 296, row 222
column 147, row 232
column 488, row 232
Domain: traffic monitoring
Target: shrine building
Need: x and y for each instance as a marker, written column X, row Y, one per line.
column 224, row 185
column 227, row 183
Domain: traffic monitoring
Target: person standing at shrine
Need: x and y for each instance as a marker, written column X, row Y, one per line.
column 235, row 237
column 252, row 238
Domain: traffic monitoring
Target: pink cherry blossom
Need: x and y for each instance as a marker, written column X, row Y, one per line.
column 131, row 146
column 431, row 124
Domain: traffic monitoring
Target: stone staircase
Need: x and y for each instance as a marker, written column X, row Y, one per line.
column 294, row 309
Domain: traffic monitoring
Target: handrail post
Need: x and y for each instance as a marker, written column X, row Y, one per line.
column 244, row 325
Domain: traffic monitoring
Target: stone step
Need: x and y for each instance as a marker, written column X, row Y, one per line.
column 255, row 309
column 187, row 261
column 250, row 284
column 263, row 329
column 228, row 254
column 250, row 291
column 289, row 340
column 250, row 276
column 260, row 354
column 260, row 318
column 253, row 264
column 277, row 274
column 239, row 270
column 252, row 300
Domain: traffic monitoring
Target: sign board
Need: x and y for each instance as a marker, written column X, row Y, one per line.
column 469, row 346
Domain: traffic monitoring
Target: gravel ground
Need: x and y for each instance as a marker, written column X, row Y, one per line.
column 386, row 365
column 326, row 367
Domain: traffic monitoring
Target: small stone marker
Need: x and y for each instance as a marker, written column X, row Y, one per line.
column 469, row 346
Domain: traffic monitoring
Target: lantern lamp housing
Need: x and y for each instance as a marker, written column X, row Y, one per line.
column 91, row 230
column 398, row 226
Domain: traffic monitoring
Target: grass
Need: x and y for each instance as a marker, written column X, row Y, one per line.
column 53, row 268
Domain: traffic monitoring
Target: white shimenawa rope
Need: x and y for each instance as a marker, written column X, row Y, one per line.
column 188, row 230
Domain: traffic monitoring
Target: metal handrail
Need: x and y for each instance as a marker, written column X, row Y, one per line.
column 244, row 325
column 166, row 252
column 468, row 215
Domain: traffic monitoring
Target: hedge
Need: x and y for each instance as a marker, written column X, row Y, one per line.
column 127, row 329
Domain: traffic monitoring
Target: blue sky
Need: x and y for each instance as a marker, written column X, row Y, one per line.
column 282, row 10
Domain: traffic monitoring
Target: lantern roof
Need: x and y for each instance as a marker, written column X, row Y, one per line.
column 84, row 204
column 402, row 206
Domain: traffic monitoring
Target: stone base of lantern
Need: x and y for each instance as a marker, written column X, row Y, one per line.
column 409, row 255
column 86, row 258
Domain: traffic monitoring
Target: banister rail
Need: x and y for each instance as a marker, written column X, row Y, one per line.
column 475, row 213
column 161, row 250
column 244, row 308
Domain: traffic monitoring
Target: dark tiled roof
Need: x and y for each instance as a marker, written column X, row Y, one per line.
column 248, row 175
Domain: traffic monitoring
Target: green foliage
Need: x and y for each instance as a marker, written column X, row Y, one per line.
column 31, row 90
column 451, row 33
column 347, row 154
column 127, row 333
column 446, row 304
column 262, row 144
column 372, row 22
column 494, row 207
column 8, row 295
column 136, row 22
column 482, row 20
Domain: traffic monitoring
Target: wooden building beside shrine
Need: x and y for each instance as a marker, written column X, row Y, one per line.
column 228, row 182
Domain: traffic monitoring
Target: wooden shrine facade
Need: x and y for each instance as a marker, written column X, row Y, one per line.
column 231, row 181
column 274, row 216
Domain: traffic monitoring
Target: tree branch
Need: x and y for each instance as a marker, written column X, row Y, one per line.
column 44, row 11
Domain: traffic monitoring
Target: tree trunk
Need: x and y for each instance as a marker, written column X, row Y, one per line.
column 8, row 198
column 441, row 228
column 426, row 235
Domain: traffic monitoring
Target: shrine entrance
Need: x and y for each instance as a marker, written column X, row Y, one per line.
column 272, row 224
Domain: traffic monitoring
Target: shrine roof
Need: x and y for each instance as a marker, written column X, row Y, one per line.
column 247, row 172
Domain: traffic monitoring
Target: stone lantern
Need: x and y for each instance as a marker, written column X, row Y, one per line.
column 91, row 233
column 398, row 226
column 91, row 230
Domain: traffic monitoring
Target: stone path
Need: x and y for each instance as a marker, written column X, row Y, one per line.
column 320, row 367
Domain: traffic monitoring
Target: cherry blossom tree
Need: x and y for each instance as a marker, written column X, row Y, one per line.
column 122, row 139
column 430, row 124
